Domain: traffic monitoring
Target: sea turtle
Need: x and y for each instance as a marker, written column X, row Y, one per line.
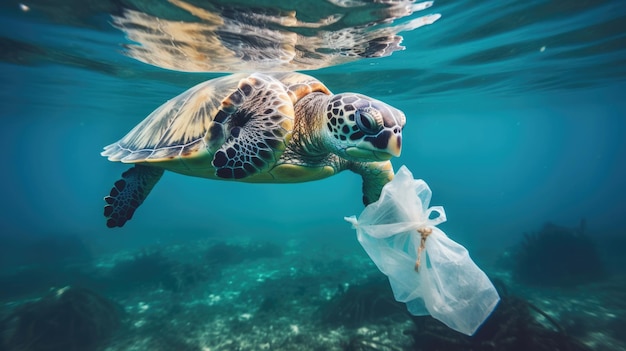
column 259, row 128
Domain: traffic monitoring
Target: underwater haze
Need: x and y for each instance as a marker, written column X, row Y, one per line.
column 516, row 117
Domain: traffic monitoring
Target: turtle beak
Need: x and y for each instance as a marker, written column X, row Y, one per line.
column 394, row 147
column 382, row 147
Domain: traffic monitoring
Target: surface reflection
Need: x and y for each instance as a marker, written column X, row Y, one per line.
column 220, row 37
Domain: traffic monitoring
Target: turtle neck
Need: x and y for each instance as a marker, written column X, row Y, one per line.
column 307, row 138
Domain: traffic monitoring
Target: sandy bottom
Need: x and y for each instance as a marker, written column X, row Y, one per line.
column 321, row 298
column 298, row 294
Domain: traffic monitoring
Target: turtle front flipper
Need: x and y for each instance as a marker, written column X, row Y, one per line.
column 129, row 193
column 252, row 128
column 375, row 175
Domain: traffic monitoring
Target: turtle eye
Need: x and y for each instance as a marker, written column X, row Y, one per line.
column 366, row 122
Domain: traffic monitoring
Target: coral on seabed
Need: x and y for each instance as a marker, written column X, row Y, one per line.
column 557, row 256
column 68, row 319
column 31, row 264
column 512, row 326
column 225, row 254
column 151, row 269
column 360, row 342
column 362, row 303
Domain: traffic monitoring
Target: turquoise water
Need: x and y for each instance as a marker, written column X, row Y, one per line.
column 515, row 117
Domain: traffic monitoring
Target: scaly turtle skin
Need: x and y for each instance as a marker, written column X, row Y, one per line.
column 258, row 128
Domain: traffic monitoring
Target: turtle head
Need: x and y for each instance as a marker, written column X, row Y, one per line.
column 359, row 128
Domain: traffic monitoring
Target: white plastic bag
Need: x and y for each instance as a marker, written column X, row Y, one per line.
column 447, row 285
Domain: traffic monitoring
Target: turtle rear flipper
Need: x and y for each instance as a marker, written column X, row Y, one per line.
column 129, row 193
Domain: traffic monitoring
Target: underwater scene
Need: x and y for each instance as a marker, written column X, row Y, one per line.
column 180, row 175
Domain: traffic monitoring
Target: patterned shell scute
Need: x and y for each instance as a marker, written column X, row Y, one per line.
column 252, row 128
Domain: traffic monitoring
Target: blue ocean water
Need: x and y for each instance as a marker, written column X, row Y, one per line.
column 515, row 117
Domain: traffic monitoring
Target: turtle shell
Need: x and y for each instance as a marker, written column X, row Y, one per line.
column 230, row 127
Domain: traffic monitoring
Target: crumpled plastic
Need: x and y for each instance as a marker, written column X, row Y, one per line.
column 440, row 279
